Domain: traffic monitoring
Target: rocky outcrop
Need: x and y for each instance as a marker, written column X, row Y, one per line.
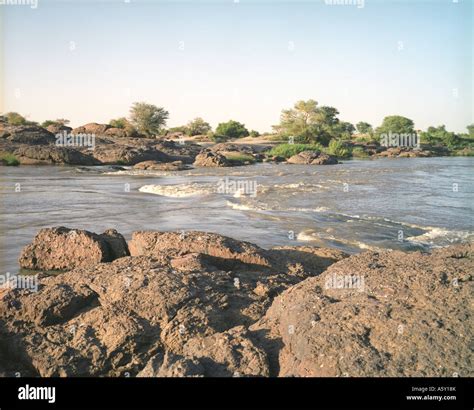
column 51, row 154
column 161, row 166
column 26, row 134
column 208, row 158
column 404, row 152
column 201, row 304
column 227, row 252
column 127, row 155
column 92, row 128
column 58, row 128
column 312, row 158
column 63, row 248
column 378, row 314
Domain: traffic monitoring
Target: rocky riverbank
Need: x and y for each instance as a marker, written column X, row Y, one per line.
column 34, row 145
column 201, row 304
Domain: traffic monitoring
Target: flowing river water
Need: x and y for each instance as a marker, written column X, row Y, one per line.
column 405, row 203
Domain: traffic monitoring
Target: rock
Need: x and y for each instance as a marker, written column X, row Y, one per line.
column 127, row 155
column 172, row 365
column 384, row 313
column 157, row 166
column 210, row 159
column 92, row 128
column 50, row 154
column 227, row 251
column 27, row 134
column 58, row 128
column 63, row 248
column 312, row 158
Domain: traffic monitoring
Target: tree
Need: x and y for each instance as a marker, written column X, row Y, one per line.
column 198, row 127
column 121, row 123
column 470, row 129
column 364, row 127
column 344, row 130
column 309, row 123
column 439, row 135
column 254, row 134
column 148, row 118
column 395, row 124
column 232, row 129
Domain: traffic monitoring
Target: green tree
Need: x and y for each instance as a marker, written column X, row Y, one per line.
column 198, row 127
column 121, row 123
column 254, row 134
column 395, row 124
column 148, row 118
column 232, row 129
column 470, row 129
column 309, row 123
column 364, row 127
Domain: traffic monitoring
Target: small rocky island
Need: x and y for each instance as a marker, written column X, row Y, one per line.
column 201, row 304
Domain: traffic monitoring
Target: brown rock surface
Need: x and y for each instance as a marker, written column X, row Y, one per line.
column 410, row 317
column 208, row 158
column 63, row 248
column 159, row 166
column 312, row 158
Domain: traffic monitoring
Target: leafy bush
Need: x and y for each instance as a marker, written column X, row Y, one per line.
column 288, row 150
column 359, row 152
column 13, row 118
column 9, row 160
column 254, row 134
column 240, row 158
column 338, row 149
column 232, row 129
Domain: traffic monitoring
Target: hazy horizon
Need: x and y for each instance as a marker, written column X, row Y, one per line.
column 245, row 60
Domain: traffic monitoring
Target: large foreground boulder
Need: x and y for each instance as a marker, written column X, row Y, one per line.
column 378, row 314
column 160, row 166
column 312, row 158
column 63, row 248
column 111, row 154
column 51, row 154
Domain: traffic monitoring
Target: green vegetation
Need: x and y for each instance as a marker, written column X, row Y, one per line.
column 13, row 118
column 59, row 122
column 240, row 158
column 364, row 128
column 338, row 149
column 197, row 127
column 231, row 130
column 9, row 159
column 254, row 134
column 395, row 124
column 288, row 150
column 358, row 152
column 148, row 119
column 309, row 123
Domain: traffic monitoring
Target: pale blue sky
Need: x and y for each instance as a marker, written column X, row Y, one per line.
column 90, row 60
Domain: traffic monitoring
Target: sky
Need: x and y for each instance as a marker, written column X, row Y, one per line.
column 246, row 60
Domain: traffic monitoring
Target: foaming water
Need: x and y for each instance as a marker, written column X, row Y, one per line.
column 408, row 204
